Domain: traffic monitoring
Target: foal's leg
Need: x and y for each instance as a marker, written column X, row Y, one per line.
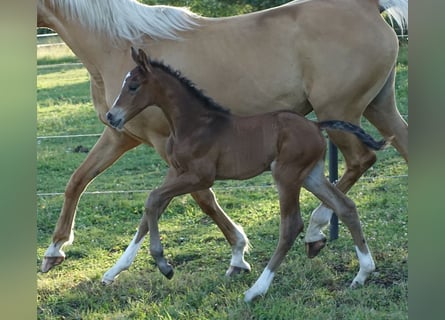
column 291, row 225
column 155, row 205
column 207, row 201
column 345, row 208
column 358, row 158
column 234, row 234
column 109, row 147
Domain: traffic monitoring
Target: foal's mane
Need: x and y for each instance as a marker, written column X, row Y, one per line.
column 128, row 19
column 208, row 102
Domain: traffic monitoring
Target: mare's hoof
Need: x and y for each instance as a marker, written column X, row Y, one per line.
column 235, row 270
column 313, row 248
column 50, row 262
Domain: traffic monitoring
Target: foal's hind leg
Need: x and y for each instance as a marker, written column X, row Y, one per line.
column 358, row 158
column 345, row 208
column 234, row 234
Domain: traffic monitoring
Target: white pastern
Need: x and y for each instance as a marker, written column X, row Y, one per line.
column 55, row 250
column 367, row 266
column 238, row 250
column 320, row 218
column 124, row 261
column 261, row 285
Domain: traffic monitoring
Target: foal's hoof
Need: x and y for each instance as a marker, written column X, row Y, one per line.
column 50, row 262
column 235, row 270
column 313, row 248
column 167, row 271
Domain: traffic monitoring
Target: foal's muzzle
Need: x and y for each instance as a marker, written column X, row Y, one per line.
column 115, row 122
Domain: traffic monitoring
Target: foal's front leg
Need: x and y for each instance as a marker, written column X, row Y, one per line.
column 174, row 185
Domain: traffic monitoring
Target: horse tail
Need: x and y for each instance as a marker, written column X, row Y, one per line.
column 397, row 10
column 356, row 130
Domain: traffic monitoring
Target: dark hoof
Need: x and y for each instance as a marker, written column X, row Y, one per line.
column 313, row 248
column 168, row 272
column 50, row 262
column 235, row 270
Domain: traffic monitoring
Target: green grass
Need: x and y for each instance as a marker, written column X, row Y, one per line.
column 55, row 54
column 302, row 288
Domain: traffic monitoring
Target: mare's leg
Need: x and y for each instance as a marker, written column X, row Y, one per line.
column 382, row 112
column 110, row 146
column 291, row 224
column 345, row 208
column 234, row 234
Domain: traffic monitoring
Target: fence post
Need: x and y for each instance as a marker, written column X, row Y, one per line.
column 333, row 177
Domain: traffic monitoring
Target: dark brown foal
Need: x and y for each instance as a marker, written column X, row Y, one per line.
column 208, row 143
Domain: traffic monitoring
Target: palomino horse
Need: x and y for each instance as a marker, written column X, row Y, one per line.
column 335, row 57
column 207, row 143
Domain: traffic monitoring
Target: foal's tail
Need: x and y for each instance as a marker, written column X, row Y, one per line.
column 356, row 130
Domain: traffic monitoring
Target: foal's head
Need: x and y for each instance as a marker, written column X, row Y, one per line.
column 138, row 91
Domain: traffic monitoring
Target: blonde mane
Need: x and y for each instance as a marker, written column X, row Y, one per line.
column 128, row 19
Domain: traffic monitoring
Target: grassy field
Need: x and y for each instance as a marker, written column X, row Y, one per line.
column 106, row 222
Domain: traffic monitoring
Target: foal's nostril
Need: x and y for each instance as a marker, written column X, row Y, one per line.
column 109, row 116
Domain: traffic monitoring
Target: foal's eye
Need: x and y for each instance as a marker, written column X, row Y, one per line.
column 133, row 86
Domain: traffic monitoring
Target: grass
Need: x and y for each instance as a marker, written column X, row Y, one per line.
column 105, row 223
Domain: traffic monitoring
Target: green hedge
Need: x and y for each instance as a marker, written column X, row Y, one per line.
column 218, row 8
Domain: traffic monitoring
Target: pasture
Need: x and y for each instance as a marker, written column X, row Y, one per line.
column 110, row 210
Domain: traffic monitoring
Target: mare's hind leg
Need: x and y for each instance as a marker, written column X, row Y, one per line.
column 234, row 234
column 108, row 148
column 382, row 112
column 291, row 224
column 345, row 208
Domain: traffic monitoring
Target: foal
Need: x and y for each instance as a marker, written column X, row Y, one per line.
column 208, row 143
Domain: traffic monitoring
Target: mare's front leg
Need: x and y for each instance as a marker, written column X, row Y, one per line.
column 346, row 210
column 109, row 147
column 234, row 234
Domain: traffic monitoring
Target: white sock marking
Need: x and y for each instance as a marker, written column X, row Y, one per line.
column 261, row 285
column 367, row 266
column 320, row 218
column 124, row 261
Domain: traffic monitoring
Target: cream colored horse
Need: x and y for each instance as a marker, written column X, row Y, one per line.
column 335, row 57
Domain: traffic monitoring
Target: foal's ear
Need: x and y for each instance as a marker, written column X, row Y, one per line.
column 141, row 59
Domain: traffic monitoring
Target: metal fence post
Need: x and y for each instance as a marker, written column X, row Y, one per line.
column 333, row 177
